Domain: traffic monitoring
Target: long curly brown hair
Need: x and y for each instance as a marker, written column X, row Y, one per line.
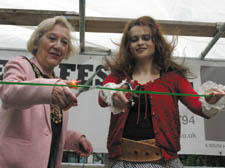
column 123, row 62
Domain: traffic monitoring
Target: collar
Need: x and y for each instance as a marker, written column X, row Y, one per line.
column 35, row 61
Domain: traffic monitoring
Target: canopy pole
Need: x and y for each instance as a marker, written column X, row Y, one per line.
column 221, row 31
column 82, row 25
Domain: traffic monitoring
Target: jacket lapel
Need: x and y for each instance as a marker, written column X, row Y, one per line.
column 47, row 115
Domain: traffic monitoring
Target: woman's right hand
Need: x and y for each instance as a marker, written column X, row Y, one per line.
column 63, row 96
column 119, row 98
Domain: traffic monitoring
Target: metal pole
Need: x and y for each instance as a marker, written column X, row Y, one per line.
column 221, row 31
column 82, row 25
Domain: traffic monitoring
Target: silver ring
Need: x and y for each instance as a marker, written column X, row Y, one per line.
column 128, row 85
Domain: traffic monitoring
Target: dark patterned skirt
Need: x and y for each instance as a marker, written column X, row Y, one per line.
column 175, row 163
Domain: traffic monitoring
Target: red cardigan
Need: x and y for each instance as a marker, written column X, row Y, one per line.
column 165, row 113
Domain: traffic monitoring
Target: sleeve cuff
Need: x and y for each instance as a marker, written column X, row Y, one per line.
column 211, row 109
column 106, row 96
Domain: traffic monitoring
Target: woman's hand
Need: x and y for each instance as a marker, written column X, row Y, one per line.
column 63, row 96
column 85, row 147
column 119, row 98
column 214, row 95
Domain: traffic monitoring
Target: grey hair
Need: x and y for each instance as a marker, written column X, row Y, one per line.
column 46, row 25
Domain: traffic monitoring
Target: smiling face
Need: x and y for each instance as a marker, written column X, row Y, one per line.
column 141, row 44
column 53, row 47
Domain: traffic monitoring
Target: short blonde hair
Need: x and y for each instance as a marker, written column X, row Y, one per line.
column 46, row 25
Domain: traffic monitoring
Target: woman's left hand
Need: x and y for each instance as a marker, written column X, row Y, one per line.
column 85, row 147
column 214, row 95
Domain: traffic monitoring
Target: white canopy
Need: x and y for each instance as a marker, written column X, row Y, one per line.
column 15, row 37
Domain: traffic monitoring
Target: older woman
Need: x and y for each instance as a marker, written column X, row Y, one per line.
column 33, row 119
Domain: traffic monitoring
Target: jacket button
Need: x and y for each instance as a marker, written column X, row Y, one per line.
column 147, row 153
column 136, row 152
column 46, row 133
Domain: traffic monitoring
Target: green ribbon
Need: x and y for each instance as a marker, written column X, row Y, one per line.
column 103, row 88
